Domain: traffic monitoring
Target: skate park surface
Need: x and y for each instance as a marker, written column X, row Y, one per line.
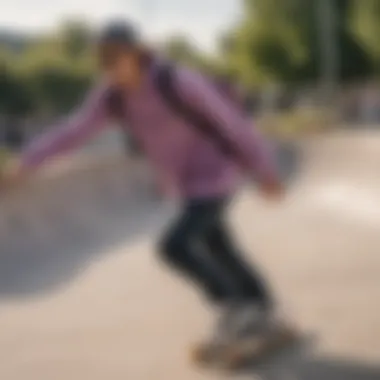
column 84, row 296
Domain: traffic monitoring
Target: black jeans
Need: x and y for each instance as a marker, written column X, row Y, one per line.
column 199, row 245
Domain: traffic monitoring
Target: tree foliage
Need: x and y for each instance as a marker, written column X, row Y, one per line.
column 365, row 23
column 50, row 74
column 275, row 41
column 280, row 40
column 180, row 49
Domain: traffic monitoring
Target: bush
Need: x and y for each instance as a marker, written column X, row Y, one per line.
column 297, row 123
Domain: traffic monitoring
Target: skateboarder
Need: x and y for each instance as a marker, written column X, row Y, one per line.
column 196, row 138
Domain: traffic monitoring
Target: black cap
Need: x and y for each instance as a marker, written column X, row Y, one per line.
column 118, row 31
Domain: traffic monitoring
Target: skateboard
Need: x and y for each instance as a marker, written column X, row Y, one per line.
column 247, row 350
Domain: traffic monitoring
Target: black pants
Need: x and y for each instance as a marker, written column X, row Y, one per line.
column 200, row 245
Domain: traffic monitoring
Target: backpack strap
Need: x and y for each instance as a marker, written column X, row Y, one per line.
column 166, row 85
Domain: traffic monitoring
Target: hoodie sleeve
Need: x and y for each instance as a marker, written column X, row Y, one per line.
column 71, row 133
column 250, row 150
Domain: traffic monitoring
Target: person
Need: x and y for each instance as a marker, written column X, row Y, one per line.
column 199, row 244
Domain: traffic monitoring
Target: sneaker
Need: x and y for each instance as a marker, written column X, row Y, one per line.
column 247, row 319
column 209, row 350
column 237, row 318
column 223, row 331
column 256, row 347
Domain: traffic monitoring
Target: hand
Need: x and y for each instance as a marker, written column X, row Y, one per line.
column 272, row 189
column 12, row 175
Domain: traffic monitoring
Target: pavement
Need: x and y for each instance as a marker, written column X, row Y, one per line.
column 83, row 295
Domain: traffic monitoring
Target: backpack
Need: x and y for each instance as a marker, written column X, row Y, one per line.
column 165, row 84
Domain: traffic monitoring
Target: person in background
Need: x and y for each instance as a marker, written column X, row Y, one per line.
column 201, row 143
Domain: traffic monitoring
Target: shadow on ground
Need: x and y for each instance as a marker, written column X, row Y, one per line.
column 50, row 234
column 320, row 369
column 301, row 363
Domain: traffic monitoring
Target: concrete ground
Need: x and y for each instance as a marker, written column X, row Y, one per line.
column 82, row 295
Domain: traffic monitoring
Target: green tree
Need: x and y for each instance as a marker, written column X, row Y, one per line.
column 278, row 40
column 15, row 96
column 365, row 22
column 59, row 90
column 180, row 49
column 76, row 38
column 56, row 75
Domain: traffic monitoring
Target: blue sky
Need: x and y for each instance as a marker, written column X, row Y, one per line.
column 202, row 20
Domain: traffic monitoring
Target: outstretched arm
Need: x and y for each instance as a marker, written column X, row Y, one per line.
column 73, row 132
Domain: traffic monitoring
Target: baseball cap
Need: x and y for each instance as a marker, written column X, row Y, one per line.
column 116, row 37
column 120, row 31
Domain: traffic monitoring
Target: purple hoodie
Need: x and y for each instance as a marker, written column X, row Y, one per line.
column 191, row 161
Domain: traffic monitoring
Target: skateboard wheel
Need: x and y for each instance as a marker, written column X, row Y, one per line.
column 202, row 354
column 233, row 359
column 207, row 354
column 237, row 356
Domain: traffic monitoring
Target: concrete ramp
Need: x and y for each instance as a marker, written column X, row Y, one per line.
column 63, row 219
column 351, row 154
column 83, row 295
